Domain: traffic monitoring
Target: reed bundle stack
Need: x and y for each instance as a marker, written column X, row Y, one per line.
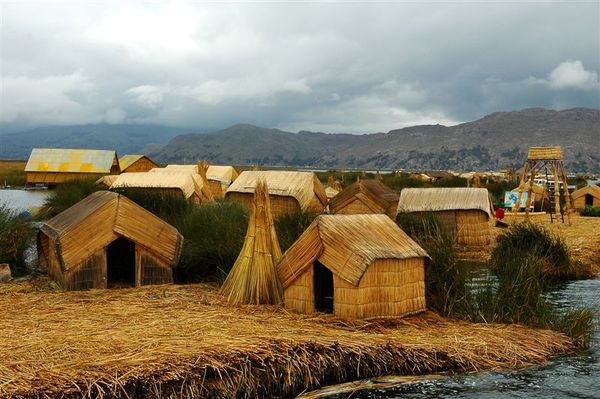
column 289, row 192
column 365, row 197
column 586, row 196
column 105, row 240
column 465, row 213
column 253, row 278
column 356, row 266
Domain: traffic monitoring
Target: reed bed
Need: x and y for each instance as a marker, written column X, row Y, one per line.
column 186, row 341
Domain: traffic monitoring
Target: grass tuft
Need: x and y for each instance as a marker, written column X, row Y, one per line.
column 16, row 236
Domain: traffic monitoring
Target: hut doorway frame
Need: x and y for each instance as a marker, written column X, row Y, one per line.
column 121, row 263
column 323, row 288
column 589, row 200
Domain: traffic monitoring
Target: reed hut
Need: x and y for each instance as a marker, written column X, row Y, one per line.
column 219, row 177
column 107, row 240
column 106, row 181
column 188, row 185
column 289, row 192
column 365, row 197
column 253, row 278
column 354, row 266
column 52, row 166
column 586, row 196
column 136, row 163
column 465, row 213
column 541, row 198
column 333, row 188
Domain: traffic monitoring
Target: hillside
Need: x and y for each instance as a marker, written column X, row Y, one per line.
column 495, row 141
column 123, row 138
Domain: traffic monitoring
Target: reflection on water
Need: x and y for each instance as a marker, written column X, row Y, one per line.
column 22, row 200
column 567, row 377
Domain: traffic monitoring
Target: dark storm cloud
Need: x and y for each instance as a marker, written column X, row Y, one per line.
column 329, row 67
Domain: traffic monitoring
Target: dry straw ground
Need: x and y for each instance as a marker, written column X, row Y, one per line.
column 184, row 341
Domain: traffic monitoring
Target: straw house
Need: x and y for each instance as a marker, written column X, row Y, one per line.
column 464, row 212
column 219, row 177
column 289, row 192
column 136, row 163
column 586, row 196
column 107, row 240
column 106, row 181
column 53, row 166
column 189, row 185
column 253, row 278
column 354, row 266
column 363, row 197
column 333, row 187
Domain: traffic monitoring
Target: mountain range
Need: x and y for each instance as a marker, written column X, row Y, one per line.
column 496, row 141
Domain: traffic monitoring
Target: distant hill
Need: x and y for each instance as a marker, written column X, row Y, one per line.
column 123, row 138
column 495, row 141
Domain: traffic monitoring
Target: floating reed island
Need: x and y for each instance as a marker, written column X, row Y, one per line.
column 187, row 341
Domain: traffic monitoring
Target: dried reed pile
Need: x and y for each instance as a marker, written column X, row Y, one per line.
column 253, row 278
column 185, row 341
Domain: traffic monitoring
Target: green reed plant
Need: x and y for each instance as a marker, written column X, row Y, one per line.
column 290, row 227
column 591, row 211
column 16, row 235
column 66, row 195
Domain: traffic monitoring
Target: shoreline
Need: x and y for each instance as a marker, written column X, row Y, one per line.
column 185, row 341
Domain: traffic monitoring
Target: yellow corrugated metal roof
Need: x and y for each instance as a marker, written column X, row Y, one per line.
column 70, row 160
column 127, row 160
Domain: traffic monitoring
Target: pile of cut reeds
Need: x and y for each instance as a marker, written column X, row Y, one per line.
column 186, row 341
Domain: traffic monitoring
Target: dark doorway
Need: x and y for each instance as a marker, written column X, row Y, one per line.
column 120, row 263
column 589, row 200
column 323, row 283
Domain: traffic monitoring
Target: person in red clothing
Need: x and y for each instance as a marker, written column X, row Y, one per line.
column 499, row 213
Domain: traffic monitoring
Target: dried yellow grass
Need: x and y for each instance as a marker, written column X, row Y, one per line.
column 186, row 341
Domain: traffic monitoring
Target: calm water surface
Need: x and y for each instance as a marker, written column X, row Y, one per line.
column 568, row 377
column 22, row 200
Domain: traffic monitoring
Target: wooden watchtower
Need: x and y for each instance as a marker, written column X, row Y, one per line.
column 543, row 158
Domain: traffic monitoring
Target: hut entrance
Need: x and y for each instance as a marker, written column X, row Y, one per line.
column 120, row 263
column 589, row 200
column 323, row 285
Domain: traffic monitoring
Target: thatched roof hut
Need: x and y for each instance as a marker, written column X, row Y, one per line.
column 253, row 278
column 289, row 192
column 364, row 197
column 219, row 177
column 464, row 212
column 333, row 188
column 355, row 266
column 136, row 163
column 189, row 185
column 106, row 181
column 586, row 196
column 107, row 239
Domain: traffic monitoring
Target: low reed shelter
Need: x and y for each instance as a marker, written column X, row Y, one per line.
column 136, row 163
column 465, row 213
column 52, row 166
column 188, row 185
column 107, row 240
column 365, row 197
column 106, row 181
column 354, row 266
column 253, row 278
column 289, row 192
column 219, row 177
column 586, row 196
column 333, row 188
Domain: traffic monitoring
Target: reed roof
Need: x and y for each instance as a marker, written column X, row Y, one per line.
column 347, row 245
column 303, row 186
column 375, row 190
column 70, row 160
column 187, row 183
column 545, row 153
column 98, row 219
column 107, row 180
column 444, row 199
column 215, row 172
column 591, row 189
column 127, row 160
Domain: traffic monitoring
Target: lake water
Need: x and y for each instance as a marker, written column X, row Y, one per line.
column 567, row 377
column 22, row 200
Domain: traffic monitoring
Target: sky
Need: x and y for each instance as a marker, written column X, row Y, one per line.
column 332, row 67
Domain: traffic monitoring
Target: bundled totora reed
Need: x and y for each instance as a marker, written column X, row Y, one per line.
column 253, row 278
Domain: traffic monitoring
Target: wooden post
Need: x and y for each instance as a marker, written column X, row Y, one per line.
column 138, row 267
column 522, row 180
column 529, row 193
column 566, row 192
column 556, row 189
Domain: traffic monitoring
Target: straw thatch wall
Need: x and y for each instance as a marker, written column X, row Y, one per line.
column 587, row 193
column 289, row 192
column 73, row 245
column 377, row 270
column 365, row 197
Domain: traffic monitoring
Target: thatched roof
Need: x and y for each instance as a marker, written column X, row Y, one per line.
column 107, row 180
column 539, row 190
column 223, row 173
column 377, row 193
column 444, row 199
column 188, row 183
column 99, row 219
column 592, row 189
column 303, row 186
column 71, row 160
column 545, row 153
column 129, row 159
column 347, row 245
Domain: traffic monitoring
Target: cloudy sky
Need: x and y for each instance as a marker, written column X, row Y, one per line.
column 359, row 67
